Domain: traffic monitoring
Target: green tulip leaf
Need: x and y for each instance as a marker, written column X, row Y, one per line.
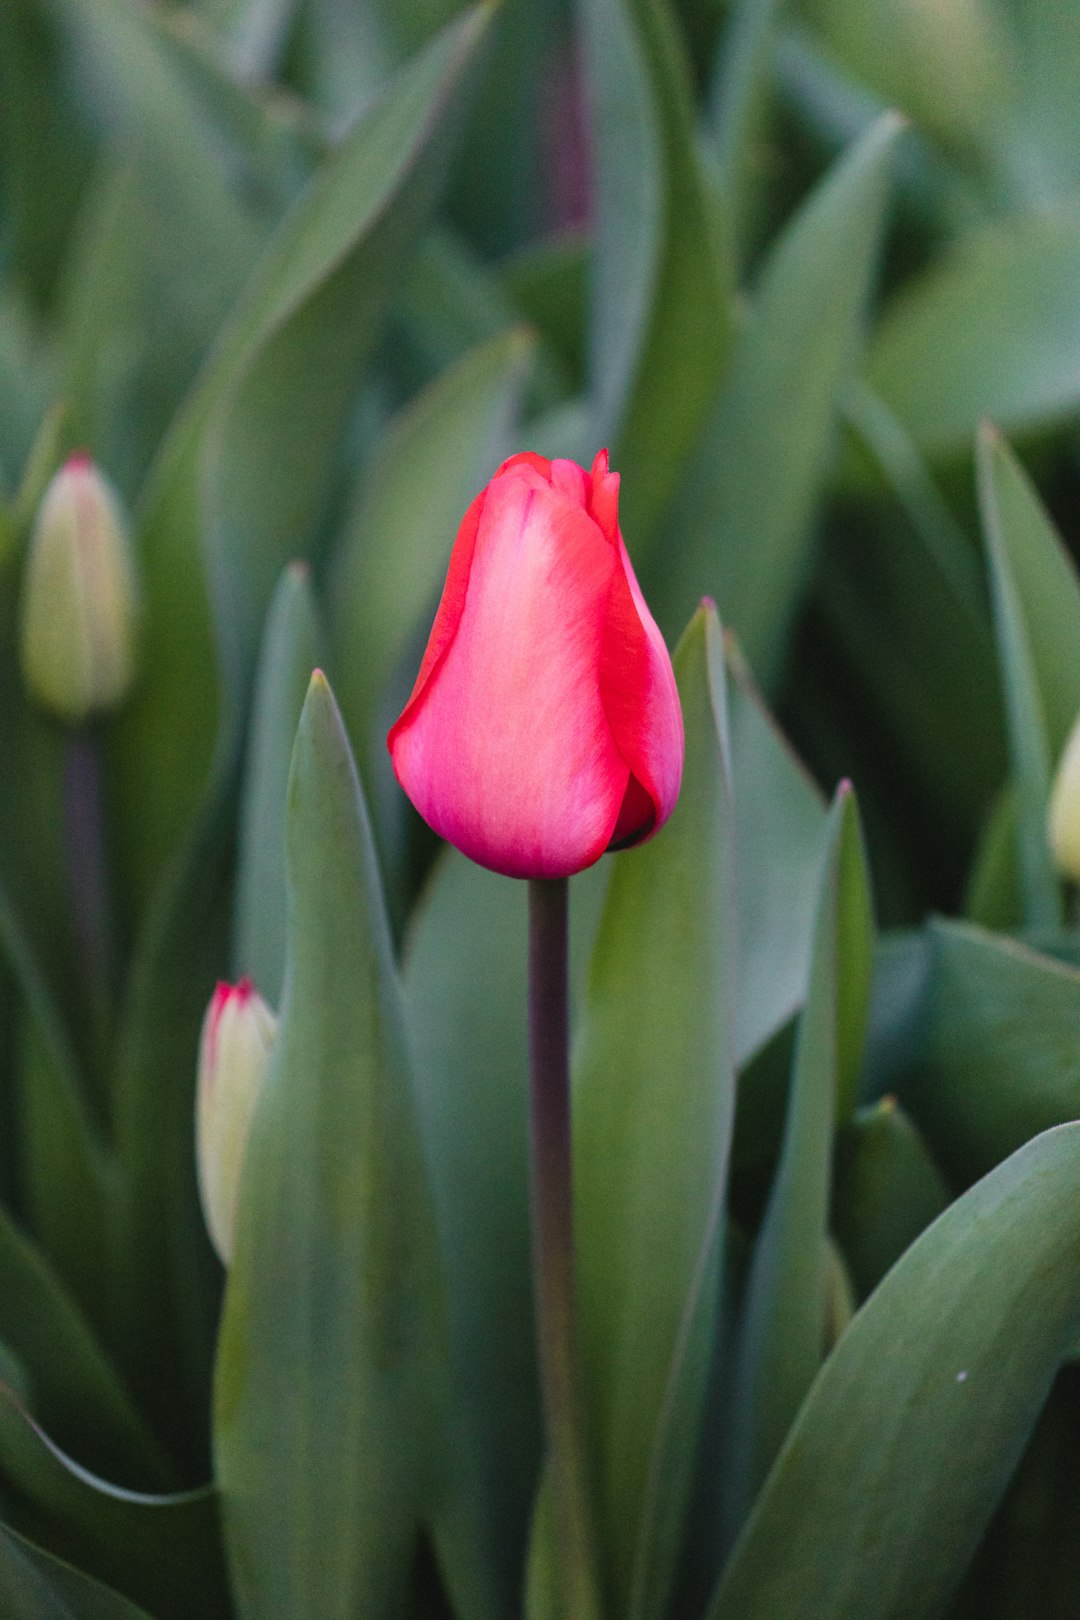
column 782, row 1324
column 653, row 1108
column 161, row 1551
column 330, row 1361
column 990, row 331
column 780, row 821
column 1036, row 596
column 241, row 483
column 36, row 1586
column 661, row 298
column 72, row 1388
column 887, row 1190
column 983, row 1081
column 427, row 468
column 466, row 997
column 738, row 99
column 913, row 1427
column 289, row 654
column 744, row 515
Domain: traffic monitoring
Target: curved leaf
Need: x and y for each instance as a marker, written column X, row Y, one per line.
column 329, row 1372
column 782, row 1329
column 915, row 1423
column 289, row 654
column 743, row 517
column 36, row 1586
column 653, row 1106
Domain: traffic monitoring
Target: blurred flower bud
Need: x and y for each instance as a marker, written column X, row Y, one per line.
column 237, row 1037
column 79, row 601
column 1064, row 818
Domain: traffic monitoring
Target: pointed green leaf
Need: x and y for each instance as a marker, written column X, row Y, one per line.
column 887, row 1190
column 782, row 1329
column 242, row 480
column 990, row 331
column 1036, row 596
column 161, row 1551
column 914, row 1425
column 653, row 1107
column 780, row 821
column 289, row 654
column 997, row 1059
column 429, row 465
column 466, row 989
column 743, row 518
column 738, row 98
column 36, row 1586
column 662, row 313
column 327, row 1391
column 72, row 1388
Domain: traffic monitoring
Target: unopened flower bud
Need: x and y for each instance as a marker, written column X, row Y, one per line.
column 79, row 601
column 1064, row 819
column 237, row 1037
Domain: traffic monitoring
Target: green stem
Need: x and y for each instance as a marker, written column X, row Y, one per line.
column 553, row 1247
column 84, row 831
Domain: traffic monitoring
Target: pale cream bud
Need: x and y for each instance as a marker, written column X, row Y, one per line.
column 79, row 599
column 237, row 1037
column 1063, row 822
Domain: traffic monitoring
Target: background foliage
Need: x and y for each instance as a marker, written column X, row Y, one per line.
column 298, row 273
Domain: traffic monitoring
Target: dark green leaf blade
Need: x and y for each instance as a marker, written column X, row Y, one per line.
column 289, row 654
column 653, row 1107
column 36, row 1586
column 1036, row 596
column 915, row 1423
column 741, row 521
column 782, row 1329
column 330, row 1358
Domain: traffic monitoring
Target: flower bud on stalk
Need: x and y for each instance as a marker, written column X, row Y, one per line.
column 545, row 725
column 1063, row 821
column 79, row 600
column 237, row 1038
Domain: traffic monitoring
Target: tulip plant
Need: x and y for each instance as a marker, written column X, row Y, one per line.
column 500, row 1121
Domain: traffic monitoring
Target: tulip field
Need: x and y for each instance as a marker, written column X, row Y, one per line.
column 539, row 810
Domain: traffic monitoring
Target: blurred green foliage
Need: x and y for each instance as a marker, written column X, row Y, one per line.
column 298, row 274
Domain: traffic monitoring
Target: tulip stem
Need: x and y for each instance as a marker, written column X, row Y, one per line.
column 84, row 830
column 553, row 1246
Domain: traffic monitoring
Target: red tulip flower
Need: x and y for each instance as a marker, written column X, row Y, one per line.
column 544, row 727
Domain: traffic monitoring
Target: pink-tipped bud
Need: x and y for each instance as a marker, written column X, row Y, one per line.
column 237, row 1037
column 79, row 599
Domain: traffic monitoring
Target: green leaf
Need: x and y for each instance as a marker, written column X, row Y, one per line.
column 327, row 1391
column 912, row 1429
column 250, row 457
column 161, row 1551
column 72, row 1388
column 887, row 1190
column 36, row 1586
column 744, row 515
column 780, row 821
column 429, row 465
column 289, row 654
column 1036, row 597
column 997, row 1062
column 661, row 305
column 466, row 990
column 990, row 331
column 653, row 1106
column 738, row 100
column 782, row 1326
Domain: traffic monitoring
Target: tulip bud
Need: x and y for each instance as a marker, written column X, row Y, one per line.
column 237, row 1036
column 79, row 602
column 545, row 725
column 1063, row 822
